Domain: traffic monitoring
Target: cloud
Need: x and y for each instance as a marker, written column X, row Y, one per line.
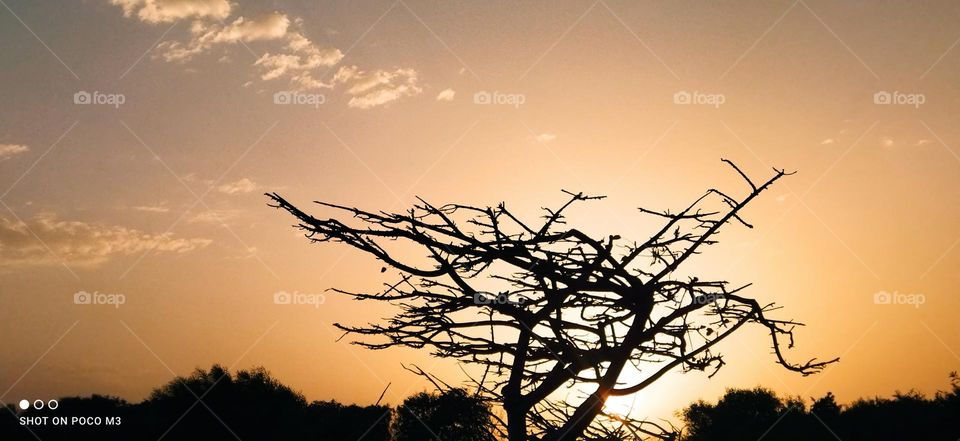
column 299, row 58
column 163, row 11
column 296, row 59
column 217, row 216
column 205, row 36
column 377, row 88
column 886, row 141
column 267, row 27
column 79, row 243
column 151, row 208
column 828, row 141
column 10, row 150
column 544, row 137
column 922, row 142
column 240, row 186
column 446, row 95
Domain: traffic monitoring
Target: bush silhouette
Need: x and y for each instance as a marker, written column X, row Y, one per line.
column 751, row 414
column 740, row 414
column 452, row 415
column 211, row 405
column 250, row 402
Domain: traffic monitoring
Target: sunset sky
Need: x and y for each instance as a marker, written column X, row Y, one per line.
column 137, row 138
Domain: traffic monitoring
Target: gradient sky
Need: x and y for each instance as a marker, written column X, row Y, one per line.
column 160, row 199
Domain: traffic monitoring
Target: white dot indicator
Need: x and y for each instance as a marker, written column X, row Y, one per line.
column 38, row 404
column 24, row 404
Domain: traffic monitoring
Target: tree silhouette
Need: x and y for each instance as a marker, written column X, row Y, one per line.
column 750, row 414
column 740, row 414
column 450, row 415
column 216, row 404
column 542, row 308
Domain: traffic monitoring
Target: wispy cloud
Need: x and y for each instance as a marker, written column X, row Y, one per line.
column 162, row 11
column 79, row 243
column 377, row 88
column 205, row 35
column 151, row 208
column 240, row 186
column 298, row 60
column 214, row 217
column 446, row 95
column 544, row 137
column 295, row 59
column 10, row 150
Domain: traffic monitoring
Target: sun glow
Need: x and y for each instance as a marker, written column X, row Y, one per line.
column 621, row 406
column 658, row 402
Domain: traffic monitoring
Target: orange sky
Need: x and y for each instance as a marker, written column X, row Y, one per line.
column 103, row 197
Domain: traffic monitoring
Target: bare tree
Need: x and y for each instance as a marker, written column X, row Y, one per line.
column 568, row 311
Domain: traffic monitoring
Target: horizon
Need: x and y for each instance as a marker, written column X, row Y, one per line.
column 138, row 140
column 618, row 407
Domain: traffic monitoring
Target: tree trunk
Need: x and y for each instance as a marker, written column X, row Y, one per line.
column 517, row 426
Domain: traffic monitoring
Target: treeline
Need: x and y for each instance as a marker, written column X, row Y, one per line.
column 251, row 405
column 248, row 405
column 753, row 414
